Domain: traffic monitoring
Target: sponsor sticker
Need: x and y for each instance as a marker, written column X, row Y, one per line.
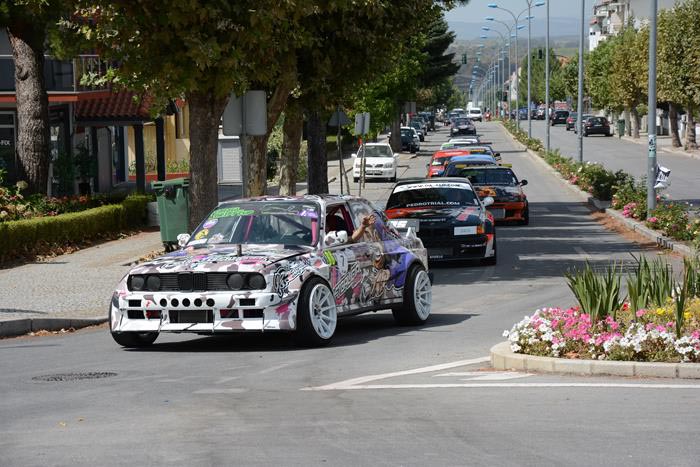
column 230, row 212
column 428, row 186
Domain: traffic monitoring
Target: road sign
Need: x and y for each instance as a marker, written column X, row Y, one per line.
column 251, row 110
column 362, row 123
column 339, row 115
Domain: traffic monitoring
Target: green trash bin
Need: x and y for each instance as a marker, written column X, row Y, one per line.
column 620, row 128
column 173, row 209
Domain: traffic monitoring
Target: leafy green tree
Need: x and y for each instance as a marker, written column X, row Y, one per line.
column 628, row 80
column 202, row 50
column 598, row 72
column 678, row 62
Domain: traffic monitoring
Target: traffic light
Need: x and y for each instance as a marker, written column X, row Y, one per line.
column 464, row 59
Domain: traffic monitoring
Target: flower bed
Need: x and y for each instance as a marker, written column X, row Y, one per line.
column 675, row 220
column 658, row 321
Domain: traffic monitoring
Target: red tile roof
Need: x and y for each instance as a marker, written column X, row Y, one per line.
column 118, row 105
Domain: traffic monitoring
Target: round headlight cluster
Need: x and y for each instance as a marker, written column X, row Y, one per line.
column 239, row 281
column 150, row 283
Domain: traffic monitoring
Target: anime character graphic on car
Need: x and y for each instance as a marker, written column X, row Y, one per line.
column 275, row 264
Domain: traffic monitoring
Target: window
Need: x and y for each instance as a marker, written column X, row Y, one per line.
column 338, row 219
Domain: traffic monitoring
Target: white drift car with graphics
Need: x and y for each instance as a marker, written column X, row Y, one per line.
column 292, row 264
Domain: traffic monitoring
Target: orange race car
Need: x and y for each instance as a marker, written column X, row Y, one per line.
column 500, row 183
column 440, row 159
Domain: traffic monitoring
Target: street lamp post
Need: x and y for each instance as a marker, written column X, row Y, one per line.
column 579, row 119
column 500, row 63
column 510, row 62
column 517, row 67
column 651, row 112
column 546, row 80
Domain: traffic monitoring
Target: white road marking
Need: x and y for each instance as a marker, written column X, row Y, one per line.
column 226, row 380
column 499, row 376
column 220, row 391
column 348, row 383
column 278, row 367
column 564, row 257
column 332, row 387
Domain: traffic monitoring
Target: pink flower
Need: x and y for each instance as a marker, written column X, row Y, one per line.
column 640, row 313
column 652, row 220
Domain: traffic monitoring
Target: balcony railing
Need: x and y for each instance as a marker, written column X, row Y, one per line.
column 59, row 75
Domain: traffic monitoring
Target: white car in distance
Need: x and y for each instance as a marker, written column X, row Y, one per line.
column 379, row 160
column 475, row 114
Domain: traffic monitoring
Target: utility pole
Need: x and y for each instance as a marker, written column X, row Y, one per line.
column 546, row 80
column 651, row 113
column 529, row 72
column 579, row 119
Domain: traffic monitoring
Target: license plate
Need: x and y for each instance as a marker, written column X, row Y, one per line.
column 469, row 230
column 498, row 213
column 439, row 253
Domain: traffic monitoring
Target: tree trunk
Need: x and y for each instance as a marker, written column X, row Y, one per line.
column 292, row 130
column 317, row 161
column 690, row 143
column 628, row 122
column 635, row 123
column 673, row 125
column 32, row 105
column 395, row 139
column 205, row 113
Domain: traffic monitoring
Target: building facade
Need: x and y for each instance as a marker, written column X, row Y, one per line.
column 611, row 16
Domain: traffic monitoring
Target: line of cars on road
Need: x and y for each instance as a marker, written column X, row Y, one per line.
column 592, row 124
column 299, row 263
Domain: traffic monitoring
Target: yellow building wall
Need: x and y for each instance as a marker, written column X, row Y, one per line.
column 176, row 149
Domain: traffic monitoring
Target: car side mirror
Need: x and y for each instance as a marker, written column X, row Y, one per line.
column 182, row 239
column 335, row 238
column 523, row 182
column 488, row 201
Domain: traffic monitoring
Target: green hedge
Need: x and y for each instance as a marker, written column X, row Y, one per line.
column 32, row 236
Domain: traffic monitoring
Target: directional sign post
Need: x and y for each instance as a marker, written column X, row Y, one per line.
column 362, row 128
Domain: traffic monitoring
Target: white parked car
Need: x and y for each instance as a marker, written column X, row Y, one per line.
column 475, row 114
column 380, row 162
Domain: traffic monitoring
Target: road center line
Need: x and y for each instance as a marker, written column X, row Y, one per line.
column 332, row 387
column 352, row 383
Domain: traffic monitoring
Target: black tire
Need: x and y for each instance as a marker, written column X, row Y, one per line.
column 422, row 138
column 132, row 340
column 407, row 314
column 355, row 179
column 414, row 149
column 491, row 261
column 526, row 216
column 305, row 334
column 393, row 179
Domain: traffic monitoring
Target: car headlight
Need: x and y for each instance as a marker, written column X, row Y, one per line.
column 256, row 281
column 235, row 281
column 153, row 283
column 388, row 164
column 137, row 282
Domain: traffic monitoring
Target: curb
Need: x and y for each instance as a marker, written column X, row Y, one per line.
column 635, row 226
column 18, row 327
column 502, row 358
column 642, row 140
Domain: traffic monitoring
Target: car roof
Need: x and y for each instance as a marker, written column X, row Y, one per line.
column 319, row 199
column 377, row 144
column 408, row 181
column 450, row 152
column 472, row 157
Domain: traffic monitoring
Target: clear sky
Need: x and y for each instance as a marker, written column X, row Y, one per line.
column 477, row 10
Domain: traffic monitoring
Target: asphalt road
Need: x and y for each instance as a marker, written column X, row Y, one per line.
column 619, row 154
column 258, row 400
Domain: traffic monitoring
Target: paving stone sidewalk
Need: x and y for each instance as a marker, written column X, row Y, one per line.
column 76, row 285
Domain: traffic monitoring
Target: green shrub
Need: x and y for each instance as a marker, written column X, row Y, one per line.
column 597, row 294
column 28, row 237
column 672, row 220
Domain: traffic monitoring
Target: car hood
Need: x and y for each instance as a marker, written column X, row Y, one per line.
column 459, row 215
column 499, row 192
column 220, row 258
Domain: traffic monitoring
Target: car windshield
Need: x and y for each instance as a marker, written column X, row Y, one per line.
column 462, row 121
column 440, row 161
column 596, row 120
column 454, row 169
column 287, row 223
column 561, row 113
column 416, row 195
column 406, row 132
column 475, row 111
column 480, row 176
column 375, row 151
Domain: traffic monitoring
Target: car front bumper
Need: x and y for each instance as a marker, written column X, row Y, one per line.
column 217, row 312
column 508, row 211
column 477, row 246
column 374, row 172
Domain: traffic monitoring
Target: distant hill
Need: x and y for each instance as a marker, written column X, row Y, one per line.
column 557, row 27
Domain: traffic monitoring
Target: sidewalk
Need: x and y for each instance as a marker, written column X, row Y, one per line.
column 663, row 143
